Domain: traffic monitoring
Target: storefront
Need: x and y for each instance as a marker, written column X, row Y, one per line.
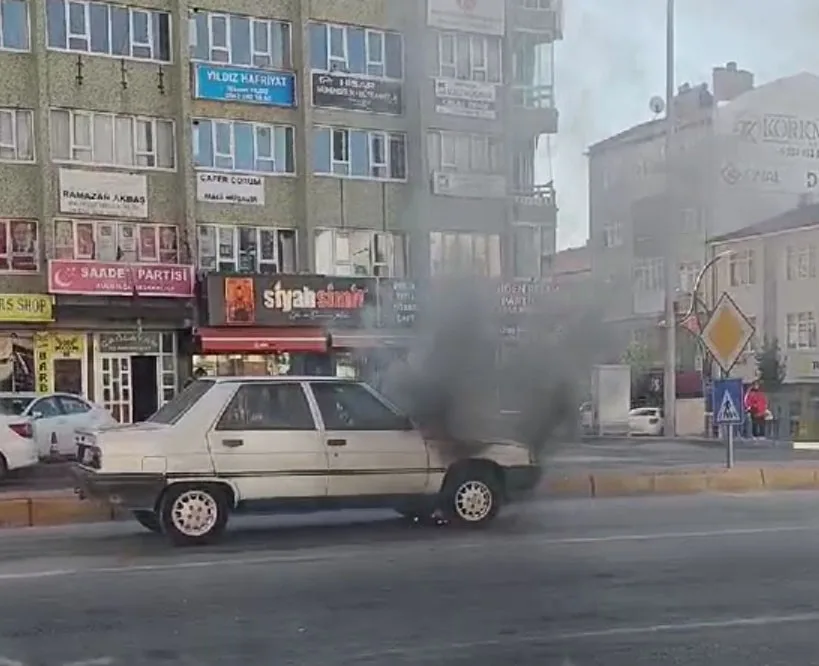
column 23, row 364
column 301, row 324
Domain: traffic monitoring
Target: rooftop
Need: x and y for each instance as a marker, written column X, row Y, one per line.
column 796, row 218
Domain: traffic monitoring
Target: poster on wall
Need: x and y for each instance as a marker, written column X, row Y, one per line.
column 59, row 362
column 16, row 363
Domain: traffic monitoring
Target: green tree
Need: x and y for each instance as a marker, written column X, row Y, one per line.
column 770, row 369
column 639, row 357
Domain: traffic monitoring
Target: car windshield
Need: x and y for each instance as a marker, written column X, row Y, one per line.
column 14, row 406
column 172, row 411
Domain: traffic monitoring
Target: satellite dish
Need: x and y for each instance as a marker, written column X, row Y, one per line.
column 656, row 104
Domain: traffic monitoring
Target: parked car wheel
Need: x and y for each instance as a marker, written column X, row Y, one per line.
column 149, row 520
column 472, row 496
column 193, row 515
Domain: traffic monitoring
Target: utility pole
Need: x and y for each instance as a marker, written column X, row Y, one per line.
column 671, row 276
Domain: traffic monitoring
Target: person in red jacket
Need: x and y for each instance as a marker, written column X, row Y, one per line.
column 756, row 405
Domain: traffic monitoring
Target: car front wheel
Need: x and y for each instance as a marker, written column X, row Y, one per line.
column 192, row 515
column 472, row 497
column 149, row 520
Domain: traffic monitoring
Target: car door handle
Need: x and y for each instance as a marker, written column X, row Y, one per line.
column 233, row 443
column 336, row 442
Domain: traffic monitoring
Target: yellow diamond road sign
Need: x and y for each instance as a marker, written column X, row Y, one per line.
column 727, row 333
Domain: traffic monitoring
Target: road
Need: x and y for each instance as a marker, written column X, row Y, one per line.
column 729, row 580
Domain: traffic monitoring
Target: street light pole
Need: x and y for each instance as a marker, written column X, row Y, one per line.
column 670, row 372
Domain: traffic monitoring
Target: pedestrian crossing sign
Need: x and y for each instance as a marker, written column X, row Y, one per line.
column 727, row 401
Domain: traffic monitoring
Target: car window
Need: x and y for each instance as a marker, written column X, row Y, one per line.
column 268, row 406
column 642, row 412
column 14, row 406
column 349, row 406
column 178, row 406
column 46, row 407
column 73, row 405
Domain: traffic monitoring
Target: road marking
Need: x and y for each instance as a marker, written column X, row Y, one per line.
column 99, row 661
column 434, row 652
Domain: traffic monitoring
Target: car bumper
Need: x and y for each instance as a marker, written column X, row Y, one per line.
column 522, row 480
column 130, row 491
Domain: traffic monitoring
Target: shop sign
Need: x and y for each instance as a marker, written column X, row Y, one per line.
column 128, row 342
column 51, row 347
column 99, row 278
column 466, row 99
column 357, row 93
column 397, row 303
column 469, row 185
column 105, row 193
column 486, row 17
column 26, row 308
column 224, row 188
column 521, row 296
column 239, row 84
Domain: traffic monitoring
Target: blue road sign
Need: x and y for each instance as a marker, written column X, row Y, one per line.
column 728, row 404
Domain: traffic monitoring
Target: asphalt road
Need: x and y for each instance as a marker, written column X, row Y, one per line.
column 729, row 580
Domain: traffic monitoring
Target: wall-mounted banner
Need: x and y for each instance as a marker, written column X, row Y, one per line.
column 26, row 308
column 60, row 362
column 106, row 193
column 239, row 84
column 226, row 188
column 128, row 342
column 357, row 93
column 486, row 17
column 469, row 185
column 467, row 99
column 99, row 278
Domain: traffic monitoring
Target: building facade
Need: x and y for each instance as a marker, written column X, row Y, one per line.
column 146, row 145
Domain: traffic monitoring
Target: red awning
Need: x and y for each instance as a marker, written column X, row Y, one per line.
column 359, row 340
column 254, row 340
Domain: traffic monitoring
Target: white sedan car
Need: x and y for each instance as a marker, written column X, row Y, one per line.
column 645, row 421
column 50, row 420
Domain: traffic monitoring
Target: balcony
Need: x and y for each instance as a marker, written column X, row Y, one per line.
column 533, row 108
column 537, row 205
column 542, row 16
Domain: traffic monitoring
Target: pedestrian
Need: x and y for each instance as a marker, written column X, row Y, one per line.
column 756, row 405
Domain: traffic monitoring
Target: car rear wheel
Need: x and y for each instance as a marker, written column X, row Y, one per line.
column 472, row 497
column 149, row 520
column 192, row 515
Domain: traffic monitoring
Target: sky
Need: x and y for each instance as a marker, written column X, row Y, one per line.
column 612, row 61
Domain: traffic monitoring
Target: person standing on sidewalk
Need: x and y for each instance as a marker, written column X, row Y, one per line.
column 756, row 405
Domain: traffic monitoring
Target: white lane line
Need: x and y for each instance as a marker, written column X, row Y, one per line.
column 499, row 540
column 99, row 661
column 432, row 652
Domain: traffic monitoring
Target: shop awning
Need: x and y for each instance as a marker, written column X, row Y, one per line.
column 257, row 339
column 359, row 340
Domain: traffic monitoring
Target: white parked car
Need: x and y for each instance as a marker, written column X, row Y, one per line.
column 50, row 420
column 275, row 444
column 645, row 421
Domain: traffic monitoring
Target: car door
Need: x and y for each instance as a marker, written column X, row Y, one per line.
column 372, row 449
column 267, row 443
column 48, row 424
column 77, row 414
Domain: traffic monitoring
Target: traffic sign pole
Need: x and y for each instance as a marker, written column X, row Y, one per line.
column 729, row 461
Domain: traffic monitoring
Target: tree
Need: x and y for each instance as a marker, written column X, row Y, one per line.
column 639, row 357
column 769, row 366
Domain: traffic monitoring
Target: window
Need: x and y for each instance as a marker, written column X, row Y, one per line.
column 243, row 41
column 242, row 249
column 45, row 408
column 104, row 29
column 14, row 25
column 357, row 153
column 349, row 406
column 649, row 275
column 469, row 57
column 801, row 330
column 229, row 145
column 116, row 241
column 612, row 234
column 16, row 135
column 453, row 253
column 345, row 252
column 742, row 269
column 73, row 405
column 173, row 410
column 545, row 5
column 800, row 262
column 534, row 246
column 267, row 406
column 19, row 245
column 356, row 50
column 105, row 139
column 467, row 153
column 688, row 276
column 751, row 347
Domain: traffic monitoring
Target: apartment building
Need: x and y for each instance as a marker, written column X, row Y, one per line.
column 230, row 181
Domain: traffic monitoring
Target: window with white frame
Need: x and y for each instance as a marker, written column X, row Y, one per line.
column 16, row 135
column 534, row 248
column 101, row 28
column 106, row 240
column 613, row 234
column 464, row 253
column 688, row 275
column 545, row 5
column 245, row 249
column 801, row 330
column 742, row 268
column 752, row 347
column 244, row 41
column 232, row 145
column 360, row 252
column 356, row 50
column 800, row 262
column 470, row 57
column 649, row 275
column 465, row 153
column 19, row 246
column 14, row 26
column 106, row 139
column 359, row 153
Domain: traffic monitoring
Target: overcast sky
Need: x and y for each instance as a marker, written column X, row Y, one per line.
column 611, row 62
